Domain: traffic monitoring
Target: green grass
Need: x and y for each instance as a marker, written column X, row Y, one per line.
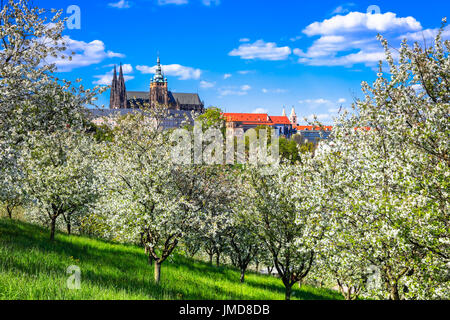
column 32, row 267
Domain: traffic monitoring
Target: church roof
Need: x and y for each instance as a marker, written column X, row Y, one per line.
column 280, row 120
column 246, row 117
column 181, row 98
column 138, row 95
column 186, row 98
column 256, row 119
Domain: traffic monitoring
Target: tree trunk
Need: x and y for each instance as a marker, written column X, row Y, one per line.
column 394, row 295
column 217, row 259
column 157, row 271
column 9, row 210
column 242, row 275
column 210, row 258
column 52, row 229
column 257, row 266
column 69, row 228
column 150, row 259
column 148, row 254
column 288, row 292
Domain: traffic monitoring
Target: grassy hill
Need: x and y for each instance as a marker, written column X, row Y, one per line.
column 31, row 267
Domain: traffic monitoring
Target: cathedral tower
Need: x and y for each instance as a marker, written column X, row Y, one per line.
column 122, row 90
column 159, row 93
column 113, row 97
column 118, row 98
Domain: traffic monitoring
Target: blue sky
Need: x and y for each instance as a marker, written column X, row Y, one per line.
column 244, row 55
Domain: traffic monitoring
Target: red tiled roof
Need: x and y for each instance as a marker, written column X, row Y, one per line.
column 258, row 123
column 262, row 119
column 312, row 128
column 246, row 117
column 280, row 120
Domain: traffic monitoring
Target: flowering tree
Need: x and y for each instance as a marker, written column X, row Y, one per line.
column 149, row 197
column 215, row 186
column 32, row 98
column 59, row 174
column 286, row 218
column 337, row 263
column 244, row 245
column 389, row 173
column 139, row 199
column 11, row 193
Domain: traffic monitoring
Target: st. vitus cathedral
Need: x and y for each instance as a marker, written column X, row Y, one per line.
column 159, row 94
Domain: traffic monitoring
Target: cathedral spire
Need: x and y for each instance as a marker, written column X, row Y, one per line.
column 113, row 103
column 121, row 90
column 158, row 74
column 284, row 112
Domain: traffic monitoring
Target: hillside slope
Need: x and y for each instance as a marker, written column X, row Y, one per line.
column 31, row 267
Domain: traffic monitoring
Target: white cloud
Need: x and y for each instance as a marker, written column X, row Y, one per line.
column 320, row 117
column 244, row 40
column 334, row 110
column 86, row 54
column 417, row 88
column 244, row 72
column 122, row 4
column 111, row 54
column 106, row 79
column 175, row 70
column 234, row 91
column 322, row 103
column 296, row 38
column 315, row 101
column 261, row 50
column 206, row 84
column 264, row 90
column 343, row 9
column 246, row 87
column 176, row 2
column 340, row 10
column 227, row 75
column 211, row 2
column 260, row 110
column 427, row 34
column 347, row 40
column 358, row 21
column 369, row 57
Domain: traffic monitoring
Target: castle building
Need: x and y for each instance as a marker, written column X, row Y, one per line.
column 179, row 105
column 247, row 121
column 158, row 94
